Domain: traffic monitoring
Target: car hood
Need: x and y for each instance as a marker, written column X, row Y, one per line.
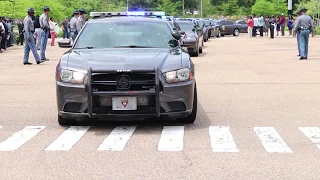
column 125, row 59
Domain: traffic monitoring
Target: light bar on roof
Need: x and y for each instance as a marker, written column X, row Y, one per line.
column 159, row 13
column 96, row 14
column 136, row 13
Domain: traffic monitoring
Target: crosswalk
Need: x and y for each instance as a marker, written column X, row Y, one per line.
column 171, row 138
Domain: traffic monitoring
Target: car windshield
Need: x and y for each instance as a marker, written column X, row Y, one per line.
column 131, row 34
column 201, row 23
column 186, row 26
column 207, row 23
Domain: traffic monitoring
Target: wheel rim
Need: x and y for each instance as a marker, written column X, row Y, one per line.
column 219, row 34
column 236, row 32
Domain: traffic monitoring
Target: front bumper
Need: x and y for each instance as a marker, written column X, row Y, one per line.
column 83, row 101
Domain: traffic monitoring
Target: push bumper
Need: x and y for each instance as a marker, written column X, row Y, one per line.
column 80, row 101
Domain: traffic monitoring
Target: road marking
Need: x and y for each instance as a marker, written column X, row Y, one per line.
column 20, row 137
column 313, row 133
column 68, row 138
column 271, row 140
column 117, row 139
column 171, row 138
column 222, row 139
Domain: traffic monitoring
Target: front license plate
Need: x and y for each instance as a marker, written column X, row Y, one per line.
column 124, row 103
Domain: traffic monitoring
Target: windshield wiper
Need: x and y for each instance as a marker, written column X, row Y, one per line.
column 132, row 46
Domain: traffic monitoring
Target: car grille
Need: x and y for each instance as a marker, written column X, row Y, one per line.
column 108, row 82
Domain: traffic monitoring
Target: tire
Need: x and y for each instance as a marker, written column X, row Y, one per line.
column 196, row 54
column 62, row 121
column 191, row 117
column 236, row 32
column 219, row 35
column 200, row 50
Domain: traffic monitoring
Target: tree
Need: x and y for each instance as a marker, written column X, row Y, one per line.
column 263, row 7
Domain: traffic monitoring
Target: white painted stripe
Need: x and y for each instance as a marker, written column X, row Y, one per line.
column 117, row 139
column 171, row 138
column 313, row 133
column 68, row 138
column 222, row 139
column 20, row 137
column 271, row 140
column 1, row 127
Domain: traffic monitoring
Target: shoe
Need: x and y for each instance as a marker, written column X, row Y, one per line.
column 27, row 63
column 302, row 58
column 45, row 59
column 41, row 61
column 298, row 55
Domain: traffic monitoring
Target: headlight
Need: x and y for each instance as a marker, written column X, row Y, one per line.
column 178, row 75
column 69, row 76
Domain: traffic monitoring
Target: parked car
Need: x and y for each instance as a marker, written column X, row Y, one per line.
column 244, row 26
column 194, row 36
column 205, row 30
column 229, row 28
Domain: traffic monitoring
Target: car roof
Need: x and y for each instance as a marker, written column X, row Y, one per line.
column 125, row 18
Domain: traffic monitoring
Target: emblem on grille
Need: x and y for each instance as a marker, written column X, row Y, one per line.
column 124, row 102
column 123, row 82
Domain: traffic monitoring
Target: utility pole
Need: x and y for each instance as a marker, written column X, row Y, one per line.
column 183, row 7
column 201, row 7
column 289, row 7
column 127, row 5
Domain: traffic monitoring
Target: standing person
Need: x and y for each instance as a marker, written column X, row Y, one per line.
column 255, row 24
column 261, row 25
column 272, row 22
column 28, row 33
column 65, row 29
column 44, row 24
column 9, row 33
column 37, row 33
column 81, row 20
column 278, row 25
column 282, row 24
column 304, row 26
column 289, row 24
column 266, row 26
column 250, row 26
column 73, row 24
column 20, row 29
column 294, row 34
column 1, row 33
column 4, row 35
column 12, row 37
column 52, row 31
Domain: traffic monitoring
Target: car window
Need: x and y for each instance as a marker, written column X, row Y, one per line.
column 125, row 33
column 226, row 22
column 240, row 22
column 200, row 23
column 177, row 26
column 186, row 26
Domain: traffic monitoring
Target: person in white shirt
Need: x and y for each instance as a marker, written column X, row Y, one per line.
column 256, row 25
column 261, row 24
column 52, row 25
column 1, row 32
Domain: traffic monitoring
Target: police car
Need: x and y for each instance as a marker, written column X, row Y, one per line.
column 126, row 66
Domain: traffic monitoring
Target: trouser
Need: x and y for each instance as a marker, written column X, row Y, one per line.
column 11, row 39
column 37, row 36
column 304, row 42
column 44, row 42
column 254, row 31
column 74, row 35
column 250, row 31
column 282, row 29
column 261, row 31
column 66, row 34
column 20, row 39
column 298, row 40
column 3, row 42
column 30, row 45
column 272, row 31
column 53, row 37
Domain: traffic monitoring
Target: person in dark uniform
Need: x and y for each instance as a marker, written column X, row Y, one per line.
column 30, row 44
column 272, row 22
column 294, row 34
column 4, row 35
column 20, row 29
column 303, row 27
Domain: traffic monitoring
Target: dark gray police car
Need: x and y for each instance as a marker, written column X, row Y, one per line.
column 126, row 68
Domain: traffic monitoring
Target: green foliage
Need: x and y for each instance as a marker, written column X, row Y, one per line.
column 263, row 7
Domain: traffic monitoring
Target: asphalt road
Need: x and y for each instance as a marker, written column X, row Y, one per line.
column 258, row 118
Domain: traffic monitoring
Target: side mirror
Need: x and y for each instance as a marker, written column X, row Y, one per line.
column 173, row 43
column 65, row 43
column 194, row 29
column 176, row 35
column 174, row 28
column 182, row 32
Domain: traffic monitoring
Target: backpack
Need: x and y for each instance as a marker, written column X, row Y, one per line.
column 36, row 23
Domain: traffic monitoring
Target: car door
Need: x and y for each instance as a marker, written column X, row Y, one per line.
column 243, row 26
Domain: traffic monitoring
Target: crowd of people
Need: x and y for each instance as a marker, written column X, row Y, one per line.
column 34, row 31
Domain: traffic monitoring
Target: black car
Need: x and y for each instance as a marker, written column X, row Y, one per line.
column 126, row 68
column 229, row 27
column 193, row 39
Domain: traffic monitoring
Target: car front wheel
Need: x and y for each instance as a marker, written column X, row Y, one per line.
column 191, row 117
column 236, row 32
